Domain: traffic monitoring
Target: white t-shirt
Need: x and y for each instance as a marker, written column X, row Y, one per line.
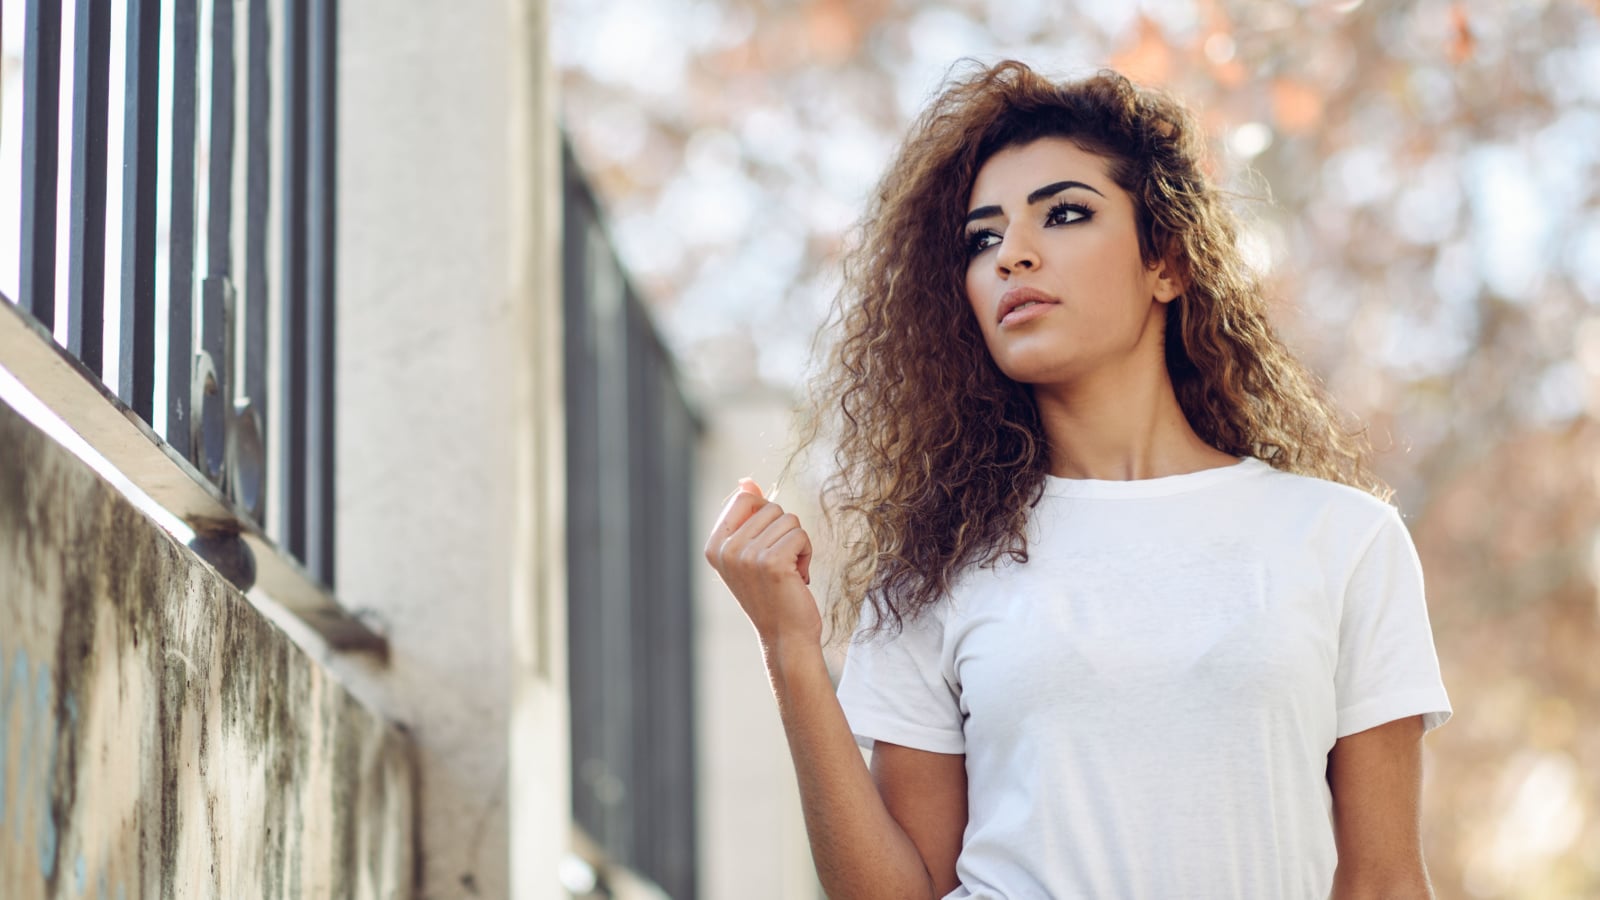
column 1147, row 705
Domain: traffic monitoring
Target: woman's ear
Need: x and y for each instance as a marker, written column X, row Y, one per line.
column 1166, row 281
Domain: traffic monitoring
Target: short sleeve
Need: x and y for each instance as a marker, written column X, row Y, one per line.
column 1388, row 668
column 893, row 688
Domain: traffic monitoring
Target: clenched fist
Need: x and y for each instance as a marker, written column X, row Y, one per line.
column 764, row 557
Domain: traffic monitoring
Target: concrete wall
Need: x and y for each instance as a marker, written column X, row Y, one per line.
column 158, row 737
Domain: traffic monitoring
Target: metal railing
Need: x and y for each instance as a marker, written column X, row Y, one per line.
column 228, row 128
column 631, row 441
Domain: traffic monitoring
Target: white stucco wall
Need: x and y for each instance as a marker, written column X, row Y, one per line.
column 448, row 490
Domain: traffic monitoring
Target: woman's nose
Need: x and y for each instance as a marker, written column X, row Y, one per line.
column 1016, row 252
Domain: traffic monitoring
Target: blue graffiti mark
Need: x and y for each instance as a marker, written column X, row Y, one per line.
column 48, row 835
column 41, row 713
column 122, row 888
column 17, row 685
column 35, row 769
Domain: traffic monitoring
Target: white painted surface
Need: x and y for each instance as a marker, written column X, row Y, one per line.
column 540, row 785
column 443, row 337
column 752, row 835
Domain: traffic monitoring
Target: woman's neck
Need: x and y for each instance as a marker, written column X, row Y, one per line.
column 1121, row 427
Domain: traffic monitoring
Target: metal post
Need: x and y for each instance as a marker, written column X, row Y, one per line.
column 180, row 299
column 219, row 156
column 322, row 149
column 137, row 330
column 258, row 181
column 292, row 442
column 41, row 116
column 86, row 268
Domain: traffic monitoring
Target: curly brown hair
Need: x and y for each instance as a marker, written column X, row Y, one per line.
column 939, row 456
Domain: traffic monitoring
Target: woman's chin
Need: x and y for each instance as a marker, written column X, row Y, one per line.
column 1035, row 370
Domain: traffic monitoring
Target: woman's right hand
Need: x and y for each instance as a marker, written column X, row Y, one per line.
column 764, row 557
column 859, row 844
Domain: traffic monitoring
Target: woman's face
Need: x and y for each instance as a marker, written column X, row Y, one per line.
column 1054, row 273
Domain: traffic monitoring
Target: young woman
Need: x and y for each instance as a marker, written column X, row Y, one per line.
column 1135, row 620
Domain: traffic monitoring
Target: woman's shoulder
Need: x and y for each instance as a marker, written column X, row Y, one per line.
column 1308, row 495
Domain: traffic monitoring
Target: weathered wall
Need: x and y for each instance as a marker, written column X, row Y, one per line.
column 158, row 737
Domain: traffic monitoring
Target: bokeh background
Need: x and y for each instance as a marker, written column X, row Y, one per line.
column 1420, row 183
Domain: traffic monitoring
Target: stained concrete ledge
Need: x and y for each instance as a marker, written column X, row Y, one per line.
column 158, row 737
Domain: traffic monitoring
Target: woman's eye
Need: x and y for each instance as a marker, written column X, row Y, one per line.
column 979, row 241
column 1067, row 213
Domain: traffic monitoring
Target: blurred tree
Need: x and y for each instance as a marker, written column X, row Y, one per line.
column 1420, row 185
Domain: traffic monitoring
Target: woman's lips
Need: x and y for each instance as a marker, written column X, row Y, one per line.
column 1020, row 305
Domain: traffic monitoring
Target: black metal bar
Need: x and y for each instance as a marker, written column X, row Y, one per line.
column 219, row 158
column 212, row 397
column 679, row 774
column 586, row 663
column 258, row 181
column 213, row 401
column 137, row 329
column 180, row 255
column 617, row 510
column 645, row 590
column 293, row 362
column 86, row 268
column 41, row 124
column 321, row 219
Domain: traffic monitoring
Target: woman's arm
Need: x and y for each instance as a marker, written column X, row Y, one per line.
column 1376, row 780
column 862, row 846
column 927, row 794
column 894, row 832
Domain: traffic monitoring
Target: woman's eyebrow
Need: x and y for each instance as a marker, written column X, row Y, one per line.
column 1050, row 190
column 1044, row 193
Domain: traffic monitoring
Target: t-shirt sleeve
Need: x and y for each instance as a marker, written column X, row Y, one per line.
column 894, row 689
column 1388, row 668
